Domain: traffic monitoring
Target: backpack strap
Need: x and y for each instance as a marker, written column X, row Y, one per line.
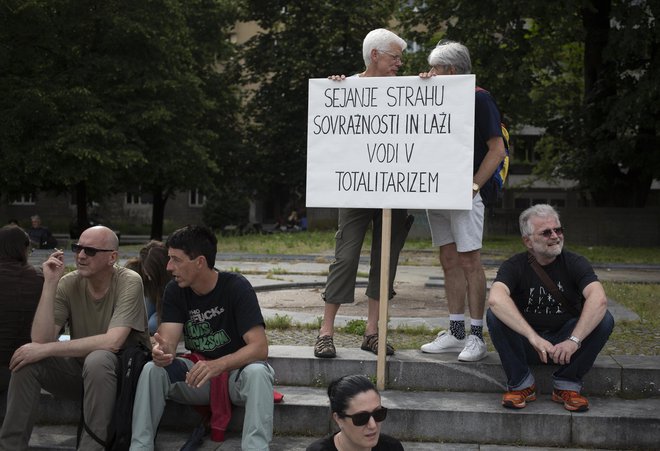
column 550, row 285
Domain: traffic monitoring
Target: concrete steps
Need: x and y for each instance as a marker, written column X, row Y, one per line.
column 435, row 399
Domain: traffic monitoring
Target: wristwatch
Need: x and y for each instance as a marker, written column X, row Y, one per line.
column 575, row 340
column 475, row 187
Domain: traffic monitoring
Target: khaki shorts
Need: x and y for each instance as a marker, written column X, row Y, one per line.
column 463, row 227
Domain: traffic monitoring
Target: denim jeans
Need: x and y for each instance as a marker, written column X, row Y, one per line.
column 517, row 354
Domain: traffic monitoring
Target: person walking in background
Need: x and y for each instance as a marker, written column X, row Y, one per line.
column 151, row 265
column 382, row 51
column 102, row 304
column 40, row 236
column 357, row 410
column 459, row 233
column 21, row 288
column 547, row 306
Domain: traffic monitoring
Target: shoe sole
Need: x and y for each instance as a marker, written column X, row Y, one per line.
column 472, row 359
column 569, row 407
column 443, row 350
column 368, row 349
column 511, row 405
column 325, row 356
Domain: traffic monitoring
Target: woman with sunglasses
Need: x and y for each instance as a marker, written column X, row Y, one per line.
column 356, row 408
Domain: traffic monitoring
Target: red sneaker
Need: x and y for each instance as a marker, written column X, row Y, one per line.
column 517, row 399
column 572, row 400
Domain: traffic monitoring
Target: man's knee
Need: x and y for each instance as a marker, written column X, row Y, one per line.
column 257, row 373
column 100, row 364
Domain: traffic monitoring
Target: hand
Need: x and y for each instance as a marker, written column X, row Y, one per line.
column 426, row 75
column 543, row 348
column 160, row 352
column 337, row 77
column 562, row 352
column 203, row 371
column 26, row 354
column 54, row 267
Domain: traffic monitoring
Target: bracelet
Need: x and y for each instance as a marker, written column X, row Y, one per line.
column 575, row 340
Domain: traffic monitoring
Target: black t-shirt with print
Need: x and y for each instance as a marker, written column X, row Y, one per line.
column 571, row 272
column 214, row 324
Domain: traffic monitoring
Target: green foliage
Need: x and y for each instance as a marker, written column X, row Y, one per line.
column 281, row 322
column 302, row 39
column 112, row 96
column 585, row 72
column 355, row 327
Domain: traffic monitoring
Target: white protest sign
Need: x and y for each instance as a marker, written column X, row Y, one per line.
column 391, row 142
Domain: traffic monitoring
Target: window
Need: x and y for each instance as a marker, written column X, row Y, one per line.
column 138, row 198
column 23, row 199
column 196, row 198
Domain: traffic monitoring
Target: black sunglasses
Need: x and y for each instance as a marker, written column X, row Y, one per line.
column 362, row 418
column 547, row 233
column 89, row 251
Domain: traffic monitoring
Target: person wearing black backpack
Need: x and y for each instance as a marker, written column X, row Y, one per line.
column 459, row 233
column 103, row 306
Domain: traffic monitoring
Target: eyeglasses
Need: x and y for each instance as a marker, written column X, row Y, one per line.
column 89, row 251
column 362, row 418
column 547, row 233
column 394, row 56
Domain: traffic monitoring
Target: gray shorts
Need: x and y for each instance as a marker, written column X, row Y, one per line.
column 463, row 227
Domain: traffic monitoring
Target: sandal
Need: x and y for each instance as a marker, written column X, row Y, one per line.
column 370, row 343
column 325, row 347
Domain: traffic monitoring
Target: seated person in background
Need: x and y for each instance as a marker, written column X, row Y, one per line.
column 102, row 303
column 151, row 265
column 21, row 288
column 356, row 408
column 40, row 236
column 528, row 324
column 220, row 319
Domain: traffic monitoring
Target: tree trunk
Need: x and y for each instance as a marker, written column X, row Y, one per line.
column 158, row 213
column 82, row 222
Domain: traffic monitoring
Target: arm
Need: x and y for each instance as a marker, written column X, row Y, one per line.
column 496, row 153
column 503, row 306
column 595, row 306
column 255, row 349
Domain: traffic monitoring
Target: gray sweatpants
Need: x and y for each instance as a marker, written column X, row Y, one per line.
column 251, row 386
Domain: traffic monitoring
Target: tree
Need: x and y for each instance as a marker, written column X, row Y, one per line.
column 584, row 71
column 109, row 95
column 301, row 39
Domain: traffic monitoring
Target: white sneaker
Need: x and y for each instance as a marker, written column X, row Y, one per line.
column 444, row 342
column 475, row 349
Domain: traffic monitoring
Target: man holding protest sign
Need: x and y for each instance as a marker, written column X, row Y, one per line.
column 382, row 52
column 459, row 233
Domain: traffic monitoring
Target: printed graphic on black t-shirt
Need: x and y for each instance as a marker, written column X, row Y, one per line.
column 214, row 323
column 571, row 272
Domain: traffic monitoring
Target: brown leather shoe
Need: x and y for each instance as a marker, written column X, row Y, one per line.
column 370, row 343
column 572, row 400
column 517, row 399
column 325, row 347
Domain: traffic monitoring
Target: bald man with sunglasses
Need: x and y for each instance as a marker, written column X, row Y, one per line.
column 529, row 324
column 103, row 306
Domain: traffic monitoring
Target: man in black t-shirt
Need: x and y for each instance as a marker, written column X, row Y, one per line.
column 222, row 325
column 529, row 325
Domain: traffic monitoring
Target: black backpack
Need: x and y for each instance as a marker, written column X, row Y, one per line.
column 131, row 362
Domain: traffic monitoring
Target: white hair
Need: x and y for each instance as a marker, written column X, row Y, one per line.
column 381, row 40
column 535, row 211
column 450, row 53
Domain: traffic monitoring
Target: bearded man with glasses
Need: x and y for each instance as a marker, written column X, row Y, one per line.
column 563, row 320
column 103, row 306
